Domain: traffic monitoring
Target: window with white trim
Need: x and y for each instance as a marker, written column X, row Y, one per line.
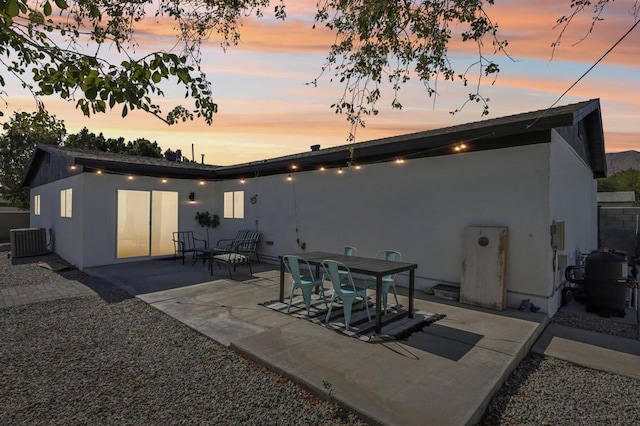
column 36, row 205
column 66, row 205
column 234, row 205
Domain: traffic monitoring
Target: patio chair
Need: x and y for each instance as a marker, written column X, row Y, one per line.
column 348, row 292
column 347, row 251
column 245, row 241
column 304, row 282
column 230, row 259
column 184, row 242
column 388, row 281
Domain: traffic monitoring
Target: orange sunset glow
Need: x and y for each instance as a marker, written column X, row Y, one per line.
column 267, row 109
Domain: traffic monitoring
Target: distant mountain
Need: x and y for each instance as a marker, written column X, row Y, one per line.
column 621, row 161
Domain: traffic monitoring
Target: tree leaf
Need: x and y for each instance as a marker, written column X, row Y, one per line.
column 12, row 9
column 47, row 9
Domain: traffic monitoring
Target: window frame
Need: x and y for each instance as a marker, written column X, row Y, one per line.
column 233, row 205
column 66, row 203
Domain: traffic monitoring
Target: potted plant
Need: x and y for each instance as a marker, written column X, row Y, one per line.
column 208, row 220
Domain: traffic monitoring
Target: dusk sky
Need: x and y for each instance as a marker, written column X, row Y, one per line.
column 266, row 110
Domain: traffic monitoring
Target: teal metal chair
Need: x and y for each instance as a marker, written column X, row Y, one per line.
column 347, row 292
column 347, row 251
column 388, row 281
column 303, row 280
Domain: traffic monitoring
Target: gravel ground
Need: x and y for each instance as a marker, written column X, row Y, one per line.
column 112, row 359
column 549, row 391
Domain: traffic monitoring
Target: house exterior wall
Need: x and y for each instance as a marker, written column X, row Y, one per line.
column 89, row 237
column 67, row 239
column 419, row 208
column 573, row 200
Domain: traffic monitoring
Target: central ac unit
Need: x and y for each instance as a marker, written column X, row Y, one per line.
column 28, row 242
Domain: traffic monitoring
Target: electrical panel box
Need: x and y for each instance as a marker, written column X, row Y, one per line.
column 557, row 235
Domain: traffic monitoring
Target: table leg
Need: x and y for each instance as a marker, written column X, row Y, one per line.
column 412, row 279
column 378, row 304
column 281, row 280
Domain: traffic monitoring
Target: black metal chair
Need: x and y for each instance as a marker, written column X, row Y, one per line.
column 184, row 242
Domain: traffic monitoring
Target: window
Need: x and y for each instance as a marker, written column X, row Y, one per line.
column 65, row 202
column 234, row 205
column 36, row 205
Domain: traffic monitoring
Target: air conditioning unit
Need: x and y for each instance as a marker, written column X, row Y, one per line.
column 28, row 242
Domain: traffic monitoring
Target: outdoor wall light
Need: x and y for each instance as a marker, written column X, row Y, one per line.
column 289, row 178
column 242, row 180
column 192, row 197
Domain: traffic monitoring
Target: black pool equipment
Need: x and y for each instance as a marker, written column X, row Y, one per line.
column 604, row 282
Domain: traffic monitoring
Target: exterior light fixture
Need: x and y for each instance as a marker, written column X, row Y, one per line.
column 164, row 180
column 201, row 182
column 99, row 172
column 289, row 178
column 73, row 167
column 130, row 177
column 322, row 169
column 399, row 161
column 460, row 147
column 340, row 171
column 242, row 180
column 192, row 197
column 294, row 167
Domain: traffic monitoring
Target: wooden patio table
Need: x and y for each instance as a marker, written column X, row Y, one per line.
column 377, row 268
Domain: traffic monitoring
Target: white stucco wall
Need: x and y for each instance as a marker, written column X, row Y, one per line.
column 573, row 200
column 89, row 238
column 67, row 232
column 420, row 208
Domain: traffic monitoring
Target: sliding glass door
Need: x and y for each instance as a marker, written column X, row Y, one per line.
column 145, row 222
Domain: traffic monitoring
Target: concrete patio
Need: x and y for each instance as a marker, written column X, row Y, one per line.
column 445, row 374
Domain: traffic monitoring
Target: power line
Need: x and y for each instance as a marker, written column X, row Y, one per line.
column 585, row 73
